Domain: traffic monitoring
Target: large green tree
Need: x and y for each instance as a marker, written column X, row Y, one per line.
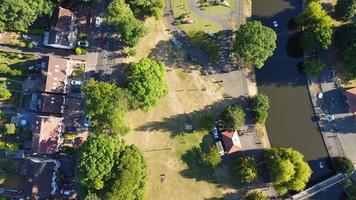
column 287, row 169
column 255, row 195
column 96, row 159
column 313, row 66
column 147, row 7
column 317, row 25
column 148, row 82
column 260, row 106
column 4, row 92
column 18, row 15
column 246, row 169
column 343, row 165
column 131, row 29
column 211, row 157
column 233, row 117
column 255, row 43
column 128, row 177
column 345, row 9
column 107, row 105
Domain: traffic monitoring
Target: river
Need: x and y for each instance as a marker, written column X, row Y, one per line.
column 291, row 121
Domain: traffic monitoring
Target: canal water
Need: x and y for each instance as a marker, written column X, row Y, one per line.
column 291, row 121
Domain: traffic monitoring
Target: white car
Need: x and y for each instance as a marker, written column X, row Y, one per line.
column 83, row 43
column 76, row 82
column 321, row 165
column 86, row 121
column 275, row 24
column 97, row 22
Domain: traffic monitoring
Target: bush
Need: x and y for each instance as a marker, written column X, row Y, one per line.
column 10, row 128
column 37, row 31
column 69, row 136
column 255, row 195
column 343, row 165
column 4, row 92
column 246, row 169
column 233, row 117
column 30, row 45
column 313, row 66
column 260, row 105
column 211, row 157
column 261, row 117
column 17, row 43
column 2, row 176
column 80, row 51
column 132, row 52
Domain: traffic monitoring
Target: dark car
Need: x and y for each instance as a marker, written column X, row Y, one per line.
column 191, row 58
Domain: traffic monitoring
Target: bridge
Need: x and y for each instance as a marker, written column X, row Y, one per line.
column 319, row 187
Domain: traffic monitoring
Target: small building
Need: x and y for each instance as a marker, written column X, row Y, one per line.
column 63, row 31
column 46, row 137
column 351, row 99
column 48, row 103
column 41, row 175
column 231, row 141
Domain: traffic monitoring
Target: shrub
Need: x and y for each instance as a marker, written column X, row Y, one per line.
column 80, row 51
column 2, row 176
column 37, row 31
column 4, row 92
column 255, row 195
column 261, row 117
column 313, row 66
column 17, row 43
column 10, row 128
column 233, row 117
column 343, row 165
column 30, row 45
column 132, row 52
column 246, row 169
column 69, row 136
column 211, row 157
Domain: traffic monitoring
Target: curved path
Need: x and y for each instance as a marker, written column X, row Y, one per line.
column 221, row 19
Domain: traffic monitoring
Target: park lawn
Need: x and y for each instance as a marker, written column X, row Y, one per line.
column 217, row 10
column 160, row 134
column 199, row 22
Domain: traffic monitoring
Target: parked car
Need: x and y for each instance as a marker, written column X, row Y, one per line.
column 86, row 121
column 220, row 148
column 97, row 22
column 321, row 165
column 83, row 43
column 191, row 58
column 76, row 82
column 215, row 133
column 275, row 24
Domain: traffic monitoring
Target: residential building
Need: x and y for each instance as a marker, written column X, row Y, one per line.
column 231, row 141
column 63, row 30
column 46, row 137
column 48, row 103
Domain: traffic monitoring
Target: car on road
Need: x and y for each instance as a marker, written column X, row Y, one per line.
column 76, row 82
column 321, row 165
column 275, row 24
column 215, row 133
column 86, row 120
column 97, row 22
column 83, row 43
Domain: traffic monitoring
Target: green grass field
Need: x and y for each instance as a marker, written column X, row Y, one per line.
column 181, row 7
column 218, row 10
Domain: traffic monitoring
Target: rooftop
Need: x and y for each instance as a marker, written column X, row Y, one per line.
column 48, row 103
column 55, row 72
column 231, row 141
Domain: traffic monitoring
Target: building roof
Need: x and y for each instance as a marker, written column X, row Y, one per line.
column 63, row 32
column 46, row 134
column 56, row 74
column 48, row 103
column 231, row 141
column 75, row 105
column 351, row 98
column 40, row 177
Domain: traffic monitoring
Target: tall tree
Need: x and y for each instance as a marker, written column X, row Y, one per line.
column 287, row 169
column 128, row 177
column 313, row 66
column 107, row 106
column 233, row 117
column 255, row 43
column 211, row 157
column 20, row 14
column 343, row 165
column 246, row 169
column 345, row 9
column 255, row 195
column 148, row 82
column 96, row 160
column 147, row 7
column 317, row 25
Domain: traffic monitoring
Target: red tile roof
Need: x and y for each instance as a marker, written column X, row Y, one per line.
column 46, row 134
column 56, row 75
column 351, row 97
column 231, row 141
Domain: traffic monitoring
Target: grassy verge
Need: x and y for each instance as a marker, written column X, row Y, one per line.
column 181, row 7
column 217, row 10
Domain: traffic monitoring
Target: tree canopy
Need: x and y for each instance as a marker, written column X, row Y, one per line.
column 211, row 157
column 287, row 169
column 131, row 29
column 317, row 25
column 246, row 169
column 128, row 177
column 107, row 105
column 343, row 165
column 260, row 106
column 148, row 82
column 147, row 7
column 255, row 195
column 313, row 66
column 345, row 9
column 4, row 92
column 255, row 43
column 96, row 160
column 20, row 14
column 233, row 117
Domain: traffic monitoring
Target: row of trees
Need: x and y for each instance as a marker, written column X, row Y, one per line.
column 109, row 169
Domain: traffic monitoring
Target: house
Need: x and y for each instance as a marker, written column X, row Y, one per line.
column 231, row 141
column 48, row 103
column 75, row 105
column 351, row 99
column 41, row 175
column 46, row 136
column 63, row 31
column 55, row 71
